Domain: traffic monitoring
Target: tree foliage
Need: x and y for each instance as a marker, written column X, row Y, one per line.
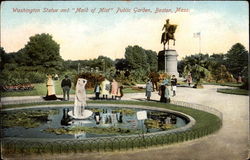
column 199, row 73
column 237, row 59
column 31, row 63
column 101, row 63
column 152, row 60
column 221, row 74
column 140, row 61
column 6, row 58
column 122, row 64
column 136, row 57
column 216, row 67
column 196, row 65
column 43, row 52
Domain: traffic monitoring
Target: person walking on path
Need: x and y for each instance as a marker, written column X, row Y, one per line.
column 173, row 84
column 189, row 80
column 66, row 85
column 149, row 89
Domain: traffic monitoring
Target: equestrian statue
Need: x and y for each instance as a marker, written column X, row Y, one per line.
column 168, row 33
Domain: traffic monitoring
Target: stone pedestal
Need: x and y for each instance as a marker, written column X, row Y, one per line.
column 167, row 62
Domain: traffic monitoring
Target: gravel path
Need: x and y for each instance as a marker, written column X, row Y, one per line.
column 229, row 143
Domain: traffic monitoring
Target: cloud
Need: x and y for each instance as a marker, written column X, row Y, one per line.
column 217, row 35
column 81, row 41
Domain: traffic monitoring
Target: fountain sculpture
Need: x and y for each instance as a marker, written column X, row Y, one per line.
column 79, row 111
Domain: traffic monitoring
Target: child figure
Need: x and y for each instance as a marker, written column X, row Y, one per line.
column 120, row 92
column 114, row 89
column 97, row 90
column 105, row 88
column 173, row 84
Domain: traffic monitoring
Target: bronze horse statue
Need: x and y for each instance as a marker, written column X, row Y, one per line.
column 166, row 36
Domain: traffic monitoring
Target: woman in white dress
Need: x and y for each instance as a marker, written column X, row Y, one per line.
column 51, row 95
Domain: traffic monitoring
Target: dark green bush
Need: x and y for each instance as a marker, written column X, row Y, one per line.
column 35, row 77
column 92, row 78
column 139, row 75
column 21, row 77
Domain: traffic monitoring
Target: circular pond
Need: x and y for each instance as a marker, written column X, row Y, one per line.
column 107, row 120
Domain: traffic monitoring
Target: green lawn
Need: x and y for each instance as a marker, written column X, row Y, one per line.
column 40, row 89
column 236, row 91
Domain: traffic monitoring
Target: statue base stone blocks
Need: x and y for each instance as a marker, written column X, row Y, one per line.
column 167, row 62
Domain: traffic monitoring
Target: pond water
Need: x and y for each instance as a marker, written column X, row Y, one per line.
column 103, row 117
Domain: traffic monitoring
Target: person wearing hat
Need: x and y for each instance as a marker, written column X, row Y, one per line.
column 164, row 92
column 149, row 89
column 66, row 85
column 173, row 84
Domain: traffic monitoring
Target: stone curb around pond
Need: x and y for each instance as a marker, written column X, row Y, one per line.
column 190, row 124
column 12, row 145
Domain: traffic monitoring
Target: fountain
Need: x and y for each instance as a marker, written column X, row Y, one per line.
column 107, row 120
column 79, row 111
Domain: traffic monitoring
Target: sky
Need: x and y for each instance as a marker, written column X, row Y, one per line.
column 88, row 29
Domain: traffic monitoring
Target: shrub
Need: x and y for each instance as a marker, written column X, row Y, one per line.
column 92, row 78
column 35, row 77
column 127, row 82
column 138, row 75
column 11, row 78
column 69, row 73
column 21, row 77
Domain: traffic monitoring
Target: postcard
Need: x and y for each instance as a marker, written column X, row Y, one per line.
column 77, row 74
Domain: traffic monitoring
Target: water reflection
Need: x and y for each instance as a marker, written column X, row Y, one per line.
column 66, row 118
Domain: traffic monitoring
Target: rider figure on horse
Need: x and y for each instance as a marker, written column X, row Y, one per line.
column 166, row 26
column 168, row 33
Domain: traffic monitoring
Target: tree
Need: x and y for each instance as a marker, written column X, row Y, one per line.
column 190, row 61
column 137, row 62
column 43, row 52
column 105, row 62
column 218, row 58
column 134, row 61
column 197, row 65
column 121, row 64
column 180, row 67
column 136, row 58
column 6, row 58
column 237, row 59
column 22, row 58
column 2, row 58
column 221, row 74
column 199, row 73
column 214, row 64
column 152, row 60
